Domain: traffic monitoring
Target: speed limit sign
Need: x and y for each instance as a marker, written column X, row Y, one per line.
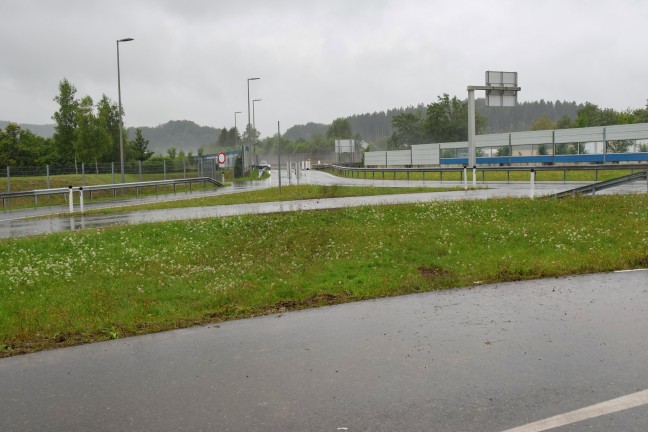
column 221, row 158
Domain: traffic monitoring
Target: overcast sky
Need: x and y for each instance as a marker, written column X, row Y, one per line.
column 317, row 60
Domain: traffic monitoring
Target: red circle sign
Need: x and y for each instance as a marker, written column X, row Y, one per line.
column 221, row 158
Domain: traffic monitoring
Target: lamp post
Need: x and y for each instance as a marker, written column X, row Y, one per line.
column 121, row 124
column 254, row 127
column 248, row 123
column 235, row 137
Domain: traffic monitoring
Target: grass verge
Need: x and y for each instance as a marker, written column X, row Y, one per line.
column 70, row 288
column 288, row 193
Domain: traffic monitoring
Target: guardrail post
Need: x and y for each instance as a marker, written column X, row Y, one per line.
column 474, row 179
column 71, row 200
column 465, row 177
column 532, row 193
column 81, row 198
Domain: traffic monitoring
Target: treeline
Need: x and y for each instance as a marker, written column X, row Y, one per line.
column 85, row 132
column 446, row 121
column 88, row 132
column 377, row 127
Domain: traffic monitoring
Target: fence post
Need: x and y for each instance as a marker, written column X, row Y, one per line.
column 8, row 180
column 139, row 165
column 532, row 193
column 164, row 167
column 48, row 179
column 71, row 200
column 82, row 174
column 465, row 177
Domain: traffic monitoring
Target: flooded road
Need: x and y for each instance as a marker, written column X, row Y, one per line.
column 17, row 223
column 485, row 359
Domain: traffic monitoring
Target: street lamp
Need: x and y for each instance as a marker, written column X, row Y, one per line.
column 254, row 127
column 253, row 122
column 121, row 124
column 236, row 131
column 248, row 123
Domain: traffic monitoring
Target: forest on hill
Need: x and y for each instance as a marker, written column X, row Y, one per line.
column 88, row 131
column 374, row 127
column 378, row 126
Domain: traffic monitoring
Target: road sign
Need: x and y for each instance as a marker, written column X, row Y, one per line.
column 221, row 158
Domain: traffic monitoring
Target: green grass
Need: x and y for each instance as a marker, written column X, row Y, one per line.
column 77, row 287
column 288, row 193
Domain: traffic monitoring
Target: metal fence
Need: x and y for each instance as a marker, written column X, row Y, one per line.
column 484, row 174
column 599, row 144
column 13, row 179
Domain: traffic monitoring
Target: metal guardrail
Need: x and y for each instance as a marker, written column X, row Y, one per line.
column 7, row 196
column 359, row 172
column 592, row 188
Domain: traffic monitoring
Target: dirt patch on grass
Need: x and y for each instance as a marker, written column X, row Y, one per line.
column 432, row 272
column 310, row 302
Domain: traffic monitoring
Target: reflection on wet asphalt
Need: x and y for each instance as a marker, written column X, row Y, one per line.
column 20, row 226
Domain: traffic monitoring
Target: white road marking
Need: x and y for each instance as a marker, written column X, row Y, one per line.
column 627, row 271
column 619, row 404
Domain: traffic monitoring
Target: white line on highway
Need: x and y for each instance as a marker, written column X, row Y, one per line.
column 603, row 408
column 632, row 270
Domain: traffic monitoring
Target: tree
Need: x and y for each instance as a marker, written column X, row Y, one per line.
column 543, row 123
column 565, row 122
column 108, row 113
column 66, row 121
column 408, row 130
column 592, row 115
column 618, row 146
column 339, row 129
column 504, row 151
column 251, row 135
column 92, row 142
column 140, row 147
column 20, row 147
column 447, row 120
column 172, row 152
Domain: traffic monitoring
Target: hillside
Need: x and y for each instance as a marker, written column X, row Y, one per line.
column 182, row 134
column 46, row 131
column 375, row 127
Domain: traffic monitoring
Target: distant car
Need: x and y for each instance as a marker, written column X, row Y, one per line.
column 263, row 165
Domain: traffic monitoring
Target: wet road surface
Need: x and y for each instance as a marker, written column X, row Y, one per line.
column 485, row 359
column 18, row 224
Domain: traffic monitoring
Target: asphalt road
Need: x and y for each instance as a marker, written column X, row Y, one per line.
column 491, row 358
column 20, row 223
